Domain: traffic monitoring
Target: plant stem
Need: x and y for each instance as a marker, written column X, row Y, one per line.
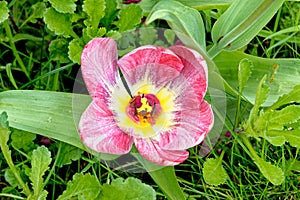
column 14, row 49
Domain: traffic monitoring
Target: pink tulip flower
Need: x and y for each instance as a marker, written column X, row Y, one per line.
column 163, row 113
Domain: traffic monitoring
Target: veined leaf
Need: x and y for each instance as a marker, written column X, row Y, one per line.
column 207, row 5
column 23, row 140
column 83, row 186
column 292, row 136
column 181, row 19
column 292, row 96
column 261, row 94
column 285, row 116
column 244, row 73
column 40, row 161
column 3, row 11
column 65, row 6
column 241, row 22
column 75, row 48
column 283, row 76
column 128, row 189
column 110, row 12
column 129, row 17
column 213, row 172
column 59, row 23
column 95, row 11
column 273, row 173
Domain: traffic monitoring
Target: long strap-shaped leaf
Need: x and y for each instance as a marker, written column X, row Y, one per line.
column 241, row 23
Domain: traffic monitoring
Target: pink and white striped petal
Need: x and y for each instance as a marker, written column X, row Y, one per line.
column 194, row 71
column 151, row 150
column 148, row 57
column 99, row 64
column 191, row 128
column 99, row 131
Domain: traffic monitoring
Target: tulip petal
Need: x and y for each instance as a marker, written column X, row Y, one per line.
column 190, row 130
column 151, row 150
column 99, row 131
column 99, row 64
column 152, row 60
column 194, row 71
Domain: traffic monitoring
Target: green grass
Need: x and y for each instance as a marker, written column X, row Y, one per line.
column 26, row 64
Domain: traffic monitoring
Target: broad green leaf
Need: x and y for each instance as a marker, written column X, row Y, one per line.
column 23, row 140
column 181, row 19
column 59, row 23
column 65, row 6
column 40, row 161
column 10, row 178
column 3, row 122
column 285, row 116
column 292, row 136
column 244, row 73
column 147, row 36
column 273, row 173
column 75, row 49
column 213, row 172
column 283, row 75
column 276, row 140
column 128, row 189
column 95, row 11
column 207, row 5
column 129, row 17
column 241, row 22
column 292, row 96
column 3, row 11
column 83, row 186
column 46, row 113
column 58, row 49
column 293, row 165
column 68, row 153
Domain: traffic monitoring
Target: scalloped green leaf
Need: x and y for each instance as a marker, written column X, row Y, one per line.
column 65, row 6
column 129, row 17
column 59, row 23
column 58, row 49
column 244, row 73
column 273, row 173
column 285, row 116
column 3, row 11
column 292, row 96
column 181, row 18
column 40, row 161
column 292, row 136
column 262, row 93
column 68, row 153
column 75, row 48
column 83, row 186
column 129, row 189
column 95, row 9
column 23, row 140
column 213, row 172
column 110, row 12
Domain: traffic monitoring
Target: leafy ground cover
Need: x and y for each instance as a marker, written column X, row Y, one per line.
column 257, row 153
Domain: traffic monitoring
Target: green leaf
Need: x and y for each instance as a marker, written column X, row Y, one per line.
column 3, row 120
column 284, row 80
column 293, row 165
column 68, row 154
column 10, row 178
column 65, row 6
column 213, row 172
column 129, row 189
column 58, row 49
column 181, row 18
column 23, row 140
column 170, row 36
column 40, row 161
column 292, row 96
column 129, row 17
column 38, row 10
column 147, row 36
column 261, row 94
column 244, row 73
column 273, row 173
column 110, row 12
column 95, row 11
column 241, row 22
column 75, row 49
column 285, row 116
column 3, row 11
column 207, row 5
column 59, row 23
column 292, row 136
column 164, row 177
column 83, row 186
